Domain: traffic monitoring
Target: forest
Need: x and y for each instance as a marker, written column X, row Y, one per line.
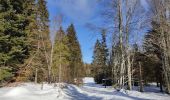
column 132, row 49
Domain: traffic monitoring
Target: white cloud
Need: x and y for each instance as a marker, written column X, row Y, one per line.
column 77, row 9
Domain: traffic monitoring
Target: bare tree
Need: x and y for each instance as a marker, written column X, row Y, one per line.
column 125, row 16
column 160, row 10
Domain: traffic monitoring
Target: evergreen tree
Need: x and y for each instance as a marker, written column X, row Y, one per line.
column 97, row 67
column 38, row 65
column 25, row 73
column 104, row 53
column 154, row 51
column 100, row 59
column 43, row 42
column 96, row 54
column 75, row 57
column 60, row 55
column 14, row 45
column 43, row 26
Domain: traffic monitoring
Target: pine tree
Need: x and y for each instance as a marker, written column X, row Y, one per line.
column 100, row 59
column 104, row 54
column 43, row 25
column 26, row 72
column 38, row 64
column 75, row 58
column 97, row 67
column 154, row 51
column 60, row 55
column 96, row 54
column 14, row 45
column 43, row 41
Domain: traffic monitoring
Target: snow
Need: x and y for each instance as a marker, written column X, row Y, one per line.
column 88, row 80
column 31, row 91
column 88, row 91
column 17, row 92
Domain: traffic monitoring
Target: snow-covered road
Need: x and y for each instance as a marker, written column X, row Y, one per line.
column 88, row 91
column 98, row 92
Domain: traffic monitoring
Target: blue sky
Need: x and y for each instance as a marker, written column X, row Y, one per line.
column 79, row 12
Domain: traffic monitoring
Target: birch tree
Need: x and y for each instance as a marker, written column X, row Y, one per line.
column 126, row 14
column 160, row 10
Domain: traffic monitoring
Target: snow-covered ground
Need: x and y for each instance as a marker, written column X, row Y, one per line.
column 89, row 91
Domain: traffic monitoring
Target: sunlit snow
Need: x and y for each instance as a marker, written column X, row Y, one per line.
column 88, row 91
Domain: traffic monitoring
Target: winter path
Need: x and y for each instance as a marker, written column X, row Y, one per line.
column 88, row 91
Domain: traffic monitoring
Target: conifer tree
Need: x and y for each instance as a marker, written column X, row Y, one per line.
column 26, row 72
column 100, row 59
column 60, row 55
column 104, row 53
column 96, row 54
column 14, row 45
column 154, row 51
column 43, row 41
column 97, row 67
column 75, row 57
column 37, row 66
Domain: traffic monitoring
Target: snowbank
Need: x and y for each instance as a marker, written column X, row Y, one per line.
column 88, row 80
column 18, row 91
column 30, row 91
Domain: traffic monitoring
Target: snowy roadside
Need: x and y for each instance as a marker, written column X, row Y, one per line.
column 89, row 91
column 31, row 91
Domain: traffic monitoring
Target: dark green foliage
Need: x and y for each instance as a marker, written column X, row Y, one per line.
column 96, row 54
column 24, row 22
column 104, row 50
column 40, row 38
column 152, row 41
column 43, row 12
column 97, row 67
column 75, row 57
column 98, row 78
column 5, row 74
column 100, row 59
column 104, row 54
column 152, row 45
column 14, row 45
column 60, row 57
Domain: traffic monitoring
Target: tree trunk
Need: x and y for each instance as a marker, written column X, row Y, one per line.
column 167, row 83
column 128, row 61
column 140, row 77
column 157, row 84
column 165, row 61
column 129, row 73
column 59, row 80
column 161, row 86
column 42, row 85
column 36, row 74
column 121, row 43
column 51, row 63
